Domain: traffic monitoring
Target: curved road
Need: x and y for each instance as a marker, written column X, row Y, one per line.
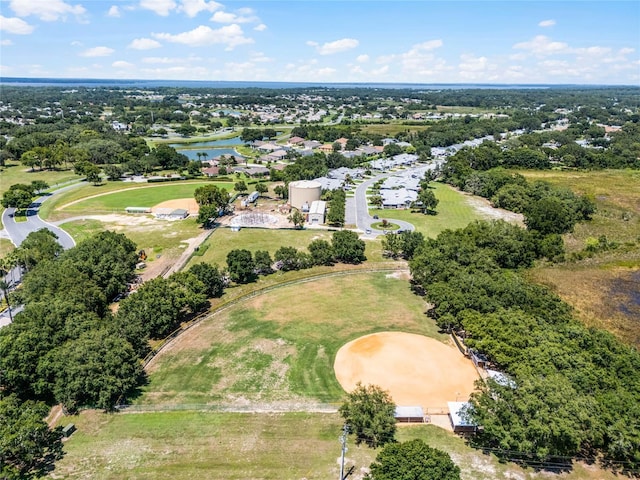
column 18, row 231
column 362, row 218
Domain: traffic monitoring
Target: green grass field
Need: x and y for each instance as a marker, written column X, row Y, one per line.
column 100, row 197
column 14, row 172
column 453, row 211
column 143, row 196
column 157, row 238
column 241, row 446
column 281, row 346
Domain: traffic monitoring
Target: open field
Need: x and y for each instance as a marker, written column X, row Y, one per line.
column 144, row 196
column 281, row 347
column 604, row 288
column 187, row 445
column 14, row 172
column 69, row 200
column 163, row 241
column 454, row 211
column 392, row 129
column 224, row 240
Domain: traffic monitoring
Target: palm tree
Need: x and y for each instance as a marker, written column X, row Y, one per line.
column 4, row 286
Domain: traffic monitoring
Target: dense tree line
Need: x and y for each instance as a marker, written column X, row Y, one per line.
column 547, row 209
column 575, row 390
column 345, row 247
column 336, row 206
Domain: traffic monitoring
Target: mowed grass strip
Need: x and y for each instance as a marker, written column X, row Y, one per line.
column 453, row 211
column 147, row 196
column 187, row 445
column 281, row 347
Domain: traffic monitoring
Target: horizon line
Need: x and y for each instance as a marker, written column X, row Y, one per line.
column 157, row 80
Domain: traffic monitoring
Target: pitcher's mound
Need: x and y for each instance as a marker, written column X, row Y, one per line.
column 416, row 370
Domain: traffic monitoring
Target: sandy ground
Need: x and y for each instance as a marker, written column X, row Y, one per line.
column 188, row 204
column 416, row 370
column 488, row 211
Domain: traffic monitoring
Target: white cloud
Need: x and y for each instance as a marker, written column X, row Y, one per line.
column 161, row 7
column 193, row 7
column 15, row 25
column 469, row 63
column 76, row 43
column 230, row 35
column 547, row 23
column 336, row 46
column 114, row 11
column 226, row 17
column 362, row 58
column 626, row 51
column 260, row 28
column 97, row 52
column 165, row 60
column 6, row 43
column 144, row 44
column 122, row 64
column 541, row 45
column 46, row 10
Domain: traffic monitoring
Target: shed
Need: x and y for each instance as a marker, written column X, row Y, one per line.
column 480, row 360
column 459, row 416
column 68, row 430
column 138, row 210
column 409, row 414
column 171, row 214
column 317, row 212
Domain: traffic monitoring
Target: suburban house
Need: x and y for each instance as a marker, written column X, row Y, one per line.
column 400, row 198
column 211, row 171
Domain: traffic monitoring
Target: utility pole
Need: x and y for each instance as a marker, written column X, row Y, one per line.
column 343, row 441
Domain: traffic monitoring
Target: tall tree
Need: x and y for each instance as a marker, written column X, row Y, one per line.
column 28, row 447
column 413, row 460
column 369, row 413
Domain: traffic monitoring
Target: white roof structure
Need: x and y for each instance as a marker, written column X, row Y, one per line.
column 318, row 207
column 501, row 378
column 400, row 197
column 459, row 417
column 408, row 412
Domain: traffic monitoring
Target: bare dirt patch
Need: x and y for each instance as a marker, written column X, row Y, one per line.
column 416, row 370
column 484, row 207
column 188, row 204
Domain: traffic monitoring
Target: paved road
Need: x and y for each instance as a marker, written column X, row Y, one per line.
column 18, row 231
column 358, row 209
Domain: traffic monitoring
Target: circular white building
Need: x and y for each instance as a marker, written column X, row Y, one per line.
column 303, row 193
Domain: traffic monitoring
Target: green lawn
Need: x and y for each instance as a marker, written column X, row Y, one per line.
column 195, row 445
column 144, row 196
column 453, row 211
column 280, row 346
column 155, row 238
column 14, row 172
column 6, row 247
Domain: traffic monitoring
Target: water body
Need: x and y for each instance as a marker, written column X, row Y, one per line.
column 91, row 82
column 208, row 144
column 211, row 153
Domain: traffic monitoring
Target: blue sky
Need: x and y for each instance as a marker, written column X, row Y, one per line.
column 576, row 42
